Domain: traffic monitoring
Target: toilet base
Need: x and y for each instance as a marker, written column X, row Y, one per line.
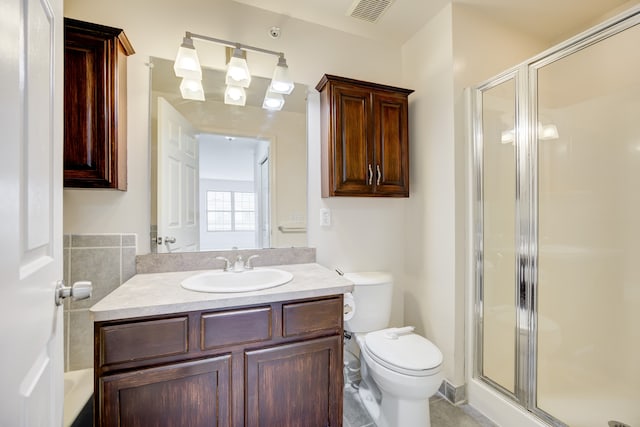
column 393, row 412
column 369, row 401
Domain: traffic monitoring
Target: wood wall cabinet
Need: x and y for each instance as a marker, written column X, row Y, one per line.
column 95, row 105
column 365, row 138
column 273, row 365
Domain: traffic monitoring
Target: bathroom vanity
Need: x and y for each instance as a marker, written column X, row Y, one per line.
column 165, row 355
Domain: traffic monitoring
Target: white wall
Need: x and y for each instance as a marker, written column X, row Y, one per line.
column 460, row 48
column 429, row 261
column 223, row 159
column 156, row 28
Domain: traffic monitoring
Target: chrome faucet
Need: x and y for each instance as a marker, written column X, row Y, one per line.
column 248, row 265
column 239, row 265
column 227, row 263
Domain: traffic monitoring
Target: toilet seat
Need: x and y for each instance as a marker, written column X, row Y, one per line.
column 408, row 354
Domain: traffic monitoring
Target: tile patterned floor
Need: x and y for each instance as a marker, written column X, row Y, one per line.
column 443, row 413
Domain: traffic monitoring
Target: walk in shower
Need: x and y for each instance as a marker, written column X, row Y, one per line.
column 556, row 213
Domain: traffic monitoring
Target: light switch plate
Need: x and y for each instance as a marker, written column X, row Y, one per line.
column 325, row 217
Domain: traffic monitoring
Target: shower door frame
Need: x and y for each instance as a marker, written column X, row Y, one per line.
column 526, row 212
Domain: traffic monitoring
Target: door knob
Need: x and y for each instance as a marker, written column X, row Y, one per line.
column 169, row 239
column 79, row 290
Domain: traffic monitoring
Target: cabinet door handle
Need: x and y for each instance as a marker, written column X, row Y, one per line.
column 379, row 175
column 370, row 174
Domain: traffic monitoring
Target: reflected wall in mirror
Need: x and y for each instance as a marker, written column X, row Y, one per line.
column 225, row 176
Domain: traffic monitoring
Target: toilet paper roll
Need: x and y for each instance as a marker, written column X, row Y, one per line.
column 349, row 309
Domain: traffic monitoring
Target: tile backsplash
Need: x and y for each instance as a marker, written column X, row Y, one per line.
column 189, row 261
column 107, row 260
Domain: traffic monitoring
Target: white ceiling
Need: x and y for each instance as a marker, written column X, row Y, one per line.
column 548, row 20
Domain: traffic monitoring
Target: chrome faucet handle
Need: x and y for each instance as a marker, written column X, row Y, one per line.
column 227, row 263
column 247, row 264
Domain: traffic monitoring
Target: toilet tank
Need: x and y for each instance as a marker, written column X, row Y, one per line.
column 372, row 297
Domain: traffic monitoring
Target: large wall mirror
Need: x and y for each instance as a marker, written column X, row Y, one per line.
column 225, row 176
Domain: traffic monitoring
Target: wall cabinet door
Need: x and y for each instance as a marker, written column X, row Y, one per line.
column 353, row 155
column 391, row 139
column 95, row 113
column 365, row 138
column 194, row 393
column 298, row 384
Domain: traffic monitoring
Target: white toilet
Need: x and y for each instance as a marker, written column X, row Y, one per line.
column 400, row 369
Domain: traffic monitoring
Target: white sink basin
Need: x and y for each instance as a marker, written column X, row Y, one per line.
column 229, row 281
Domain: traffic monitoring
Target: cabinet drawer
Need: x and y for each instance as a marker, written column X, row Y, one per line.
column 312, row 316
column 143, row 340
column 235, row 327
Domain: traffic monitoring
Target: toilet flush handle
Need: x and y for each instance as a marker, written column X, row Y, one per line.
column 394, row 333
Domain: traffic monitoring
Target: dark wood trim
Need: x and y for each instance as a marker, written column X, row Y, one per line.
column 376, row 86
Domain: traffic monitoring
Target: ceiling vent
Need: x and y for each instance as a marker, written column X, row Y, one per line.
column 369, row 10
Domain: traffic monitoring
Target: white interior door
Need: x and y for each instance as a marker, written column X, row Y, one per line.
column 31, row 66
column 178, row 181
column 264, row 208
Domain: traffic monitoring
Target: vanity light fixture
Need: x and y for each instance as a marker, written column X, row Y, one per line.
column 273, row 100
column 281, row 82
column 238, row 77
column 187, row 64
column 237, row 70
column 235, row 95
column 192, row 89
column 545, row 133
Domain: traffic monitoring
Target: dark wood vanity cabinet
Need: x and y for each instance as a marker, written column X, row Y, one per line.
column 365, row 138
column 95, row 105
column 278, row 364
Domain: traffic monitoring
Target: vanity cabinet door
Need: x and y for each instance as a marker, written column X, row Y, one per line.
column 298, row 384
column 194, row 393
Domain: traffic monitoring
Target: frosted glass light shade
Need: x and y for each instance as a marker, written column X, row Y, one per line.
column 281, row 82
column 508, row 136
column 273, row 101
column 187, row 64
column 192, row 89
column 235, row 95
column 546, row 132
column 238, row 71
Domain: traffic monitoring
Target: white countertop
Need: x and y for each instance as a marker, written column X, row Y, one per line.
column 161, row 293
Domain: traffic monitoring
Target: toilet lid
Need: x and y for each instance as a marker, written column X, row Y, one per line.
column 409, row 353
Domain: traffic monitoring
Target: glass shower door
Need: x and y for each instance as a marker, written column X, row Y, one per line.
column 557, row 230
column 588, row 276
column 497, row 166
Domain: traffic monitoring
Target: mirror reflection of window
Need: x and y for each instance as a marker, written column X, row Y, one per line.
column 231, row 211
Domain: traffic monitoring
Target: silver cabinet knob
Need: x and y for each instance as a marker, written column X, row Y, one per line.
column 79, row 290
